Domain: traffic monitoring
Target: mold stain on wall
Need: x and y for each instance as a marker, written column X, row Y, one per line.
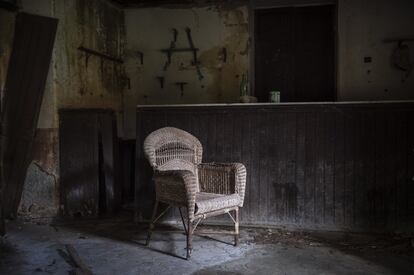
column 78, row 81
column 75, row 81
column 86, row 80
column 221, row 35
column 229, row 61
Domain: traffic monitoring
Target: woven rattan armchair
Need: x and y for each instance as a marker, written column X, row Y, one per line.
column 181, row 180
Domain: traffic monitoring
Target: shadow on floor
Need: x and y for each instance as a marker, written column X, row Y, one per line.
column 123, row 229
column 394, row 252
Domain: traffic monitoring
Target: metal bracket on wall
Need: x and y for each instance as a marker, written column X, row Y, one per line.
column 223, row 55
column 181, row 85
column 141, row 57
column 170, row 52
column 175, row 32
column 103, row 56
column 172, row 49
column 192, row 48
column 161, row 79
column 172, row 46
column 195, row 60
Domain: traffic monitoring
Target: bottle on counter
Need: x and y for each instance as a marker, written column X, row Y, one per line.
column 244, row 91
column 244, row 86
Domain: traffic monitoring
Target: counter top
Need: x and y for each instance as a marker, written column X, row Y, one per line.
column 276, row 104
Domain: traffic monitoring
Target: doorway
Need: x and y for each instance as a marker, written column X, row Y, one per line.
column 295, row 53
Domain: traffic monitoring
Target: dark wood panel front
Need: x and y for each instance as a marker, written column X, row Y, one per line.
column 326, row 166
column 88, row 162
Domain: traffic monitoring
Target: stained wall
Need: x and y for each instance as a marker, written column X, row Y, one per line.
column 362, row 28
column 220, row 33
column 75, row 80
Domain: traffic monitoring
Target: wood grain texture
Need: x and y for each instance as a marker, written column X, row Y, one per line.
column 25, row 84
column 88, row 168
column 316, row 166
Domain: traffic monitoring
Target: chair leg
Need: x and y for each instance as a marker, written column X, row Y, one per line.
column 151, row 225
column 236, row 228
column 189, row 238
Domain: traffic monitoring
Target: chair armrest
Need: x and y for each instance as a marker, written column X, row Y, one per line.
column 176, row 187
column 223, row 178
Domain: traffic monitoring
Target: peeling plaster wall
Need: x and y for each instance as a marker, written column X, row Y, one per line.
column 99, row 25
column 363, row 25
column 6, row 41
column 39, row 194
column 213, row 28
column 74, row 81
column 82, row 81
column 40, row 198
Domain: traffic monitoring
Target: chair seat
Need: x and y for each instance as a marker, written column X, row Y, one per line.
column 207, row 202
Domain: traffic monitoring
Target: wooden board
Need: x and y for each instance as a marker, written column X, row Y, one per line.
column 313, row 166
column 88, row 173
column 79, row 171
column 107, row 129
column 25, row 84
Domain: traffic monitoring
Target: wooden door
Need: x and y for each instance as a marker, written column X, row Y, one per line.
column 295, row 53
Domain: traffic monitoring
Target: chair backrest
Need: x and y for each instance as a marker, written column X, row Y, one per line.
column 171, row 148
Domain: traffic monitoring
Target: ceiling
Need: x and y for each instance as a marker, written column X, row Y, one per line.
column 153, row 3
column 141, row 3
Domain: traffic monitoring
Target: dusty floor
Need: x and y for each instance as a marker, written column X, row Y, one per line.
column 116, row 247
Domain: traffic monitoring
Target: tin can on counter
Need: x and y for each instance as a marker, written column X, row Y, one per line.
column 274, row 96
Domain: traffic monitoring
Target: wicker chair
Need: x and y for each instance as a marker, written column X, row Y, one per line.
column 181, row 180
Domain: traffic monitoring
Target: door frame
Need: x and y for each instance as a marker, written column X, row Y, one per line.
column 253, row 6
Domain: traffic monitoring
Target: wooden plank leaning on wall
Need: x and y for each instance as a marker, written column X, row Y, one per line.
column 25, row 84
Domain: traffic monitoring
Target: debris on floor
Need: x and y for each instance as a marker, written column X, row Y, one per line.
column 111, row 246
column 392, row 243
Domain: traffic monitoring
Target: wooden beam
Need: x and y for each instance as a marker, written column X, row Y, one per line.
column 99, row 54
column 81, row 267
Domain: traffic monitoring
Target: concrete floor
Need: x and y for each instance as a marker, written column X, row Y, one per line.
column 116, row 247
